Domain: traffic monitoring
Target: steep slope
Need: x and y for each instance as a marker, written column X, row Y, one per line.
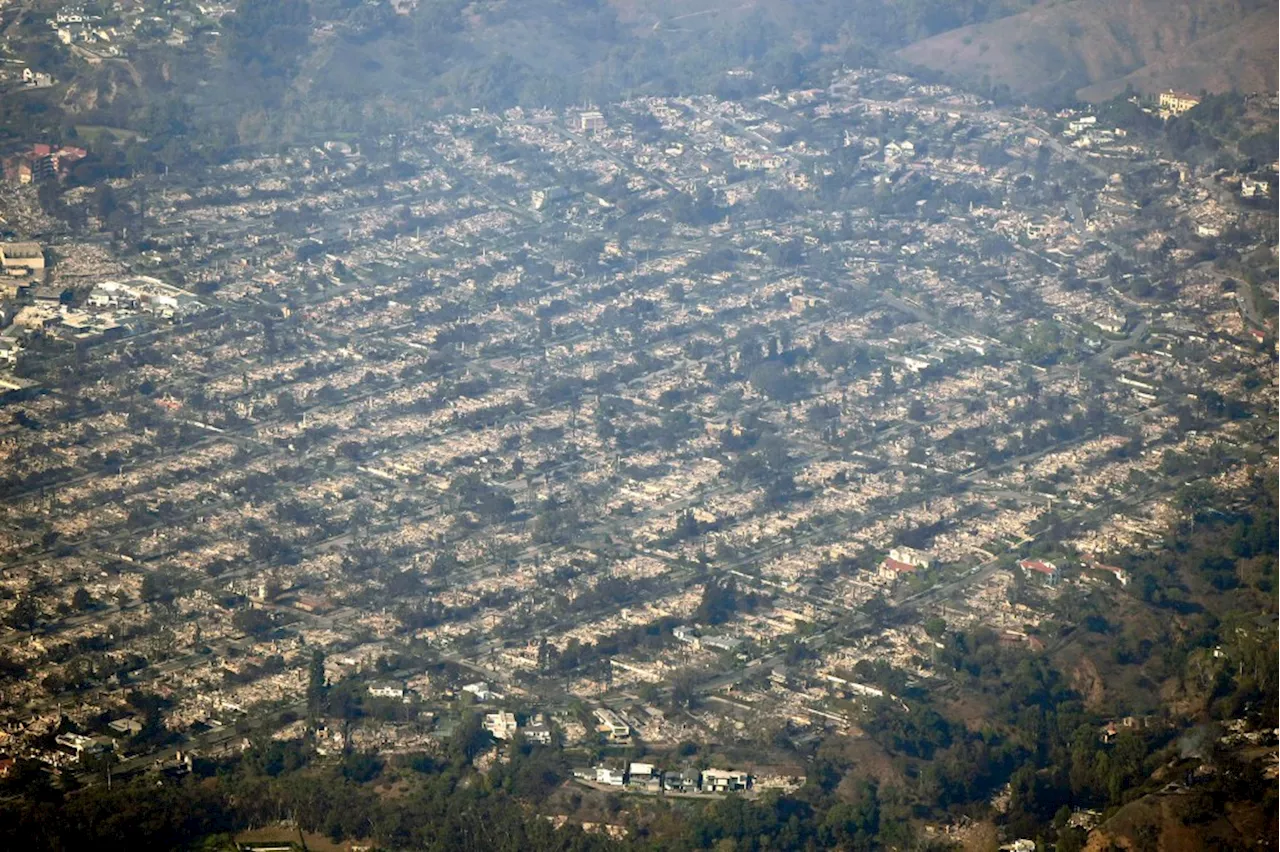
column 1182, row 820
column 1241, row 57
column 1096, row 46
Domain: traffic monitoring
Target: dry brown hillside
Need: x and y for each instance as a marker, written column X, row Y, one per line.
column 1095, row 47
column 1241, row 57
column 1185, row 821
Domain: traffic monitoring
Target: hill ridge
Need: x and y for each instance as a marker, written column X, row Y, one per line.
column 1092, row 49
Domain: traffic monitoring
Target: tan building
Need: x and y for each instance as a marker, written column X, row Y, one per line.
column 1176, row 103
column 18, row 170
column 21, row 258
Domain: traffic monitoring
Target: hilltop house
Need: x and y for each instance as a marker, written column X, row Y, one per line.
column 1173, row 103
column 1046, row 571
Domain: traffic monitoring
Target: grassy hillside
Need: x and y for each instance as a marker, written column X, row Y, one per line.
column 287, row 70
column 1093, row 48
column 1240, row 57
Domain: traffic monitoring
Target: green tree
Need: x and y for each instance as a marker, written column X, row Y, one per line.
column 316, row 686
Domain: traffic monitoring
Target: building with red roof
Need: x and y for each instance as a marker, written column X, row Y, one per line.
column 1047, row 571
column 891, row 569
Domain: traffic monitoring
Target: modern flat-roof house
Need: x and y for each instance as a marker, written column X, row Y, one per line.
column 724, row 780
column 612, row 777
column 502, row 725
column 611, row 725
column 644, row 776
column 21, row 258
column 80, row 745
